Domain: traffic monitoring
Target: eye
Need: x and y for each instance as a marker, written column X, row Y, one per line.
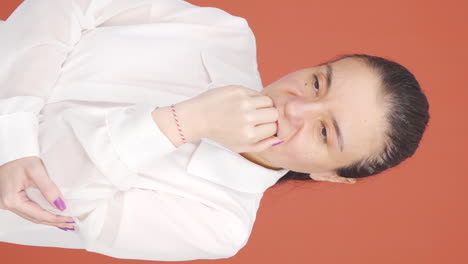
column 323, row 133
column 316, row 83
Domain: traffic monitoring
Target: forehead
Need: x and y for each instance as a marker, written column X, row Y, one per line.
column 356, row 101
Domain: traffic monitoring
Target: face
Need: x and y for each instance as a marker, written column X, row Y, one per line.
column 325, row 124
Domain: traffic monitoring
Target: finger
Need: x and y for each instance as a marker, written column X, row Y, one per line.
column 264, row 131
column 40, row 215
column 250, row 92
column 262, row 101
column 264, row 144
column 264, row 115
column 47, row 187
column 25, row 216
column 64, row 226
column 23, row 198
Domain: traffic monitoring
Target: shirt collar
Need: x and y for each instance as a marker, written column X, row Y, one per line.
column 223, row 166
column 213, row 161
column 227, row 67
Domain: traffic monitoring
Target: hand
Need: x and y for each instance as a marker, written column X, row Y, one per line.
column 239, row 118
column 19, row 174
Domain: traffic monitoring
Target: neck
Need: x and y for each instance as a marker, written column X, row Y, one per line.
column 251, row 156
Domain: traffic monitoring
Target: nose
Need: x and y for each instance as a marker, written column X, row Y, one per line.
column 299, row 109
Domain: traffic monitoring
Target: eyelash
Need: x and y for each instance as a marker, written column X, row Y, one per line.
column 322, row 127
column 316, row 81
column 324, row 138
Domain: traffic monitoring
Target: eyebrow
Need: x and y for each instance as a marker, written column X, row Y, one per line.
column 329, row 73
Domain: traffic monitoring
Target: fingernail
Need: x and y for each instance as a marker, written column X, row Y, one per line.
column 60, row 204
column 277, row 143
column 70, row 228
column 70, row 222
column 64, row 229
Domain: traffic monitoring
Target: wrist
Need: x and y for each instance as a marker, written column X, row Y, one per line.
column 164, row 118
column 190, row 121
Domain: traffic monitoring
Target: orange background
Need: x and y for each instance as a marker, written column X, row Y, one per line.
column 415, row 213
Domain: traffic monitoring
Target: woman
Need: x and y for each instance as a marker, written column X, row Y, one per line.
column 153, row 126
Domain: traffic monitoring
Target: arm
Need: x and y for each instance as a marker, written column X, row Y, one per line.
column 166, row 122
column 31, row 58
column 156, row 225
column 36, row 39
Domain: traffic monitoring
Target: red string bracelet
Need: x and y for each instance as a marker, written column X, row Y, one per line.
column 177, row 123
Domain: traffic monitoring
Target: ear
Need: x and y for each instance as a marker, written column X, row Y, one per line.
column 331, row 176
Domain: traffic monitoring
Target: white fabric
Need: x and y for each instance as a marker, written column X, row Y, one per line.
column 79, row 80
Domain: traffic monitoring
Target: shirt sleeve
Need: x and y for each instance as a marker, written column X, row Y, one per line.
column 160, row 226
column 120, row 141
column 36, row 40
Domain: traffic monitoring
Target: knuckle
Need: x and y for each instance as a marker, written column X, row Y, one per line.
column 248, row 118
column 244, row 105
column 29, row 171
column 249, row 134
column 238, row 94
column 55, row 218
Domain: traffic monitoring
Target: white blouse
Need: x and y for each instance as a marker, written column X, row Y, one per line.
column 78, row 82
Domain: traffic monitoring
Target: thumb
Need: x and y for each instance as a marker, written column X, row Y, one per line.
column 267, row 143
column 275, row 141
column 48, row 188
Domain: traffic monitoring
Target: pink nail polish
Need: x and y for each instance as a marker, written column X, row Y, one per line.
column 60, row 204
column 277, row 143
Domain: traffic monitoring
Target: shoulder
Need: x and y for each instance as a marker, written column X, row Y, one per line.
column 185, row 12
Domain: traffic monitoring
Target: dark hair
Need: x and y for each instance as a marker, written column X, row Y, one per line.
column 407, row 116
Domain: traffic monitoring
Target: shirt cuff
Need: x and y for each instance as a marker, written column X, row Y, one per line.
column 136, row 137
column 18, row 136
column 120, row 141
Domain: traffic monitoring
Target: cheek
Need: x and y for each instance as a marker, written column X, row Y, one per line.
column 306, row 147
column 303, row 149
column 291, row 83
column 304, row 162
